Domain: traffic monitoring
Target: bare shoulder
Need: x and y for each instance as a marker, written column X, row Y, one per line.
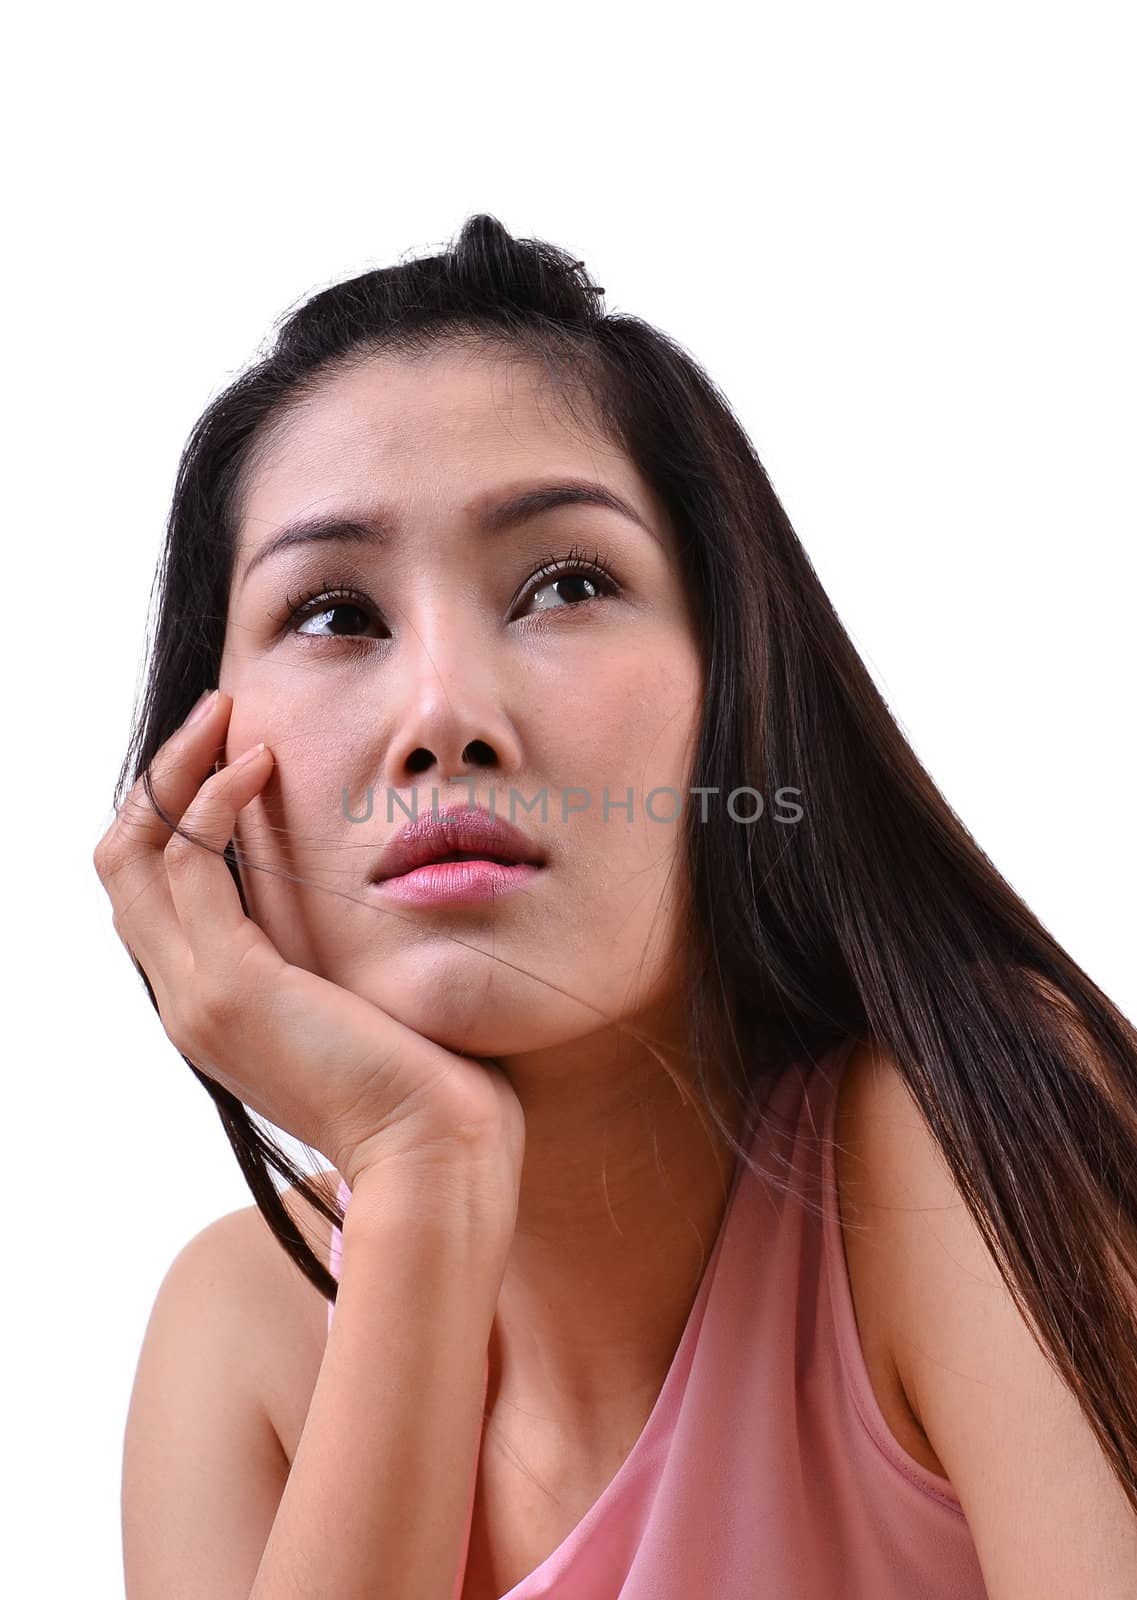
column 874, row 1113
column 223, row 1385
column 1045, row 1507
column 888, row 1163
column 287, row 1315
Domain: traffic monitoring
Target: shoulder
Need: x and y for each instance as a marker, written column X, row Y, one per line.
column 283, row 1316
column 251, row 1238
column 1012, row 1437
column 871, row 1093
column 246, row 1233
column 936, row 1282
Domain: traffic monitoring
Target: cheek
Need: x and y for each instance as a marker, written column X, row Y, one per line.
column 294, row 828
column 641, row 723
column 306, row 721
column 621, row 721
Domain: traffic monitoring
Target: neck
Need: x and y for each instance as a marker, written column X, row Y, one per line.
column 623, row 1191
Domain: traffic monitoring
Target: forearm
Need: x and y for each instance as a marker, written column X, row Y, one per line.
column 379, row 1496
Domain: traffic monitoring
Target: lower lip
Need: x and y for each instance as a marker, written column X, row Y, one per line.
column 456, row 883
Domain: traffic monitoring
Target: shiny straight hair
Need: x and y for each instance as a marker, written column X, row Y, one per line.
column 875, row 915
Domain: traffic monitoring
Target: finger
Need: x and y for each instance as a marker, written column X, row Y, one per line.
column 201, row 886
column 176, row 774
column 129, row 857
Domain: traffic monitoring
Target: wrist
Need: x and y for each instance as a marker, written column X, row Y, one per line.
column 471, row 1203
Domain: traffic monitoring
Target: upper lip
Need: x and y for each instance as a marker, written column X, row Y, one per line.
column 438, row 834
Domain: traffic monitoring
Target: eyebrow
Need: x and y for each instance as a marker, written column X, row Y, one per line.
column 377, row 527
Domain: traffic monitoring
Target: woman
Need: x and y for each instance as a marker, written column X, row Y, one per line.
column 707, row 1144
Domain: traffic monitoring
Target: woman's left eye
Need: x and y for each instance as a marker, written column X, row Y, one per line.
column 574, row 571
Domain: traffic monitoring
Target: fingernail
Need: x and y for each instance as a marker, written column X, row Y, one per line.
column 203, row 707
column 249, row 755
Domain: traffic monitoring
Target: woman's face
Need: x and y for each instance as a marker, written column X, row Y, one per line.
column 562, row 686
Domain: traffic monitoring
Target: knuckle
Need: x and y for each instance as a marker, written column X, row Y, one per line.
column 107, row 854
column 136, row 809
column 176, row 850
column 180, row 1031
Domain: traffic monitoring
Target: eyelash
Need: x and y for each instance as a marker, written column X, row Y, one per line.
column 329, row 595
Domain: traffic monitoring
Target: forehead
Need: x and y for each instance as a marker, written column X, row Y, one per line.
column 434, row 431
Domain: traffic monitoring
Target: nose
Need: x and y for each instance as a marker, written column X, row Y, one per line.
column 450, row 720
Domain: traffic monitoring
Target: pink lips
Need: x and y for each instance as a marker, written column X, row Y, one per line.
column 456, row 882
column 412, row 869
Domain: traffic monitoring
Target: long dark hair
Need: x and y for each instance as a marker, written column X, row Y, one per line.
column 875, row 915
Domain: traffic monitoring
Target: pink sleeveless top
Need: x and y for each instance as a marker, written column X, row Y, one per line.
column 766, row 1466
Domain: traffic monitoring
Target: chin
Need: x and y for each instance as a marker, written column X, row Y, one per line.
column 472, row 1004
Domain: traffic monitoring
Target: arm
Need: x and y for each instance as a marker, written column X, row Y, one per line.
column 379, row 1497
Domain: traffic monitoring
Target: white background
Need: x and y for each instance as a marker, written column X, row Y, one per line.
column 898, row 236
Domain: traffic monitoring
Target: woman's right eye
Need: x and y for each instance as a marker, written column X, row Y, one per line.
column 317, row 606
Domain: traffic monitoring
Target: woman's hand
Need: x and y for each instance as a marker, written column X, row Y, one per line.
column 317, row 1060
